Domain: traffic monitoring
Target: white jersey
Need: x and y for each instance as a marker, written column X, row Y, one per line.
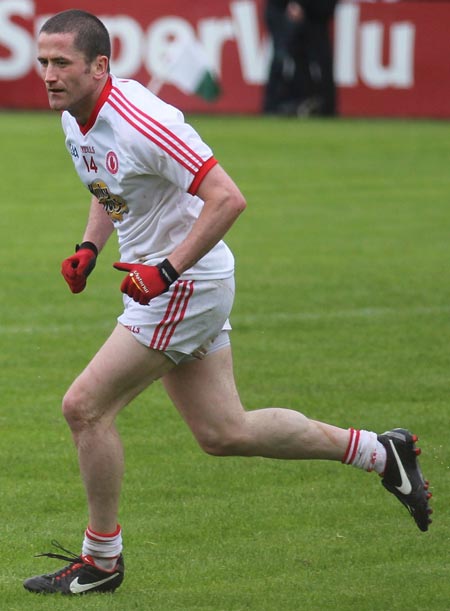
column 144, row 164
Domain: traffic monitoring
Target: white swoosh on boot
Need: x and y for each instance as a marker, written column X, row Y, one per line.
column 78, row 588
column 405, row 487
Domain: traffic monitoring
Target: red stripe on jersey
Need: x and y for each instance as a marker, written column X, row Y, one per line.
column 201, row 175
column 174, row 314
column 158, row 126
column 101, row 100
column 150, row 128
column 148, row 135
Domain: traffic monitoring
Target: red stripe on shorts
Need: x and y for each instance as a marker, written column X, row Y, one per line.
column 174, row 314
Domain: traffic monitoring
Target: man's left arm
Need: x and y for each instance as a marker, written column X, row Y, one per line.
column 223, row 203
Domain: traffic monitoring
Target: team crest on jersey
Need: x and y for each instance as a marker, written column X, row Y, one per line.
column 73, row 150
column 114, row 205
column 112, row 162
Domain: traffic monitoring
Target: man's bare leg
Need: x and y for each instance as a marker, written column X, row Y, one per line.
column 205, row 394
column 120, row 370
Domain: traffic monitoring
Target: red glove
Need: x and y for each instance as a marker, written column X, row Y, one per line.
column 77, row 268
column 146, row 281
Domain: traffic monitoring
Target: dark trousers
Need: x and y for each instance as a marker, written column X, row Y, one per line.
column 301, row 69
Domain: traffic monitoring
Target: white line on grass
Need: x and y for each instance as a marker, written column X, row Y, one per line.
column 243, row 319
column 343, row 314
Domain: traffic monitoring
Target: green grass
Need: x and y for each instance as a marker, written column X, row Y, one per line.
column 342, row 312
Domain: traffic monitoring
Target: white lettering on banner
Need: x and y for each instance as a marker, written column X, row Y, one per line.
column 345, row 45
column 213, row 34
column 129, row 33
column 254, row 57
column 138, row 47
column 358, row 49
column 400, row 72
column 161, row 35
column 16, row 39
column 364, row 41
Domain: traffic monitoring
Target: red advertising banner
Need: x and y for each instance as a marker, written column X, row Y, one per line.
column 390, row 57
column 231, row 33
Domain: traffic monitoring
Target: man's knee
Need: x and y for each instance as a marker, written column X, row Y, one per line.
column 75, row 408
column 230, row 441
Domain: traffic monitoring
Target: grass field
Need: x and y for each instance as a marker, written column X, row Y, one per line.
column 342, row 312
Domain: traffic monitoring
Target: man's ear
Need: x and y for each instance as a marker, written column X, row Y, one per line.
column 100, row 66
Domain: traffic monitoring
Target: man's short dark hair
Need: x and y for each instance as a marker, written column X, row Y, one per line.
column 91, row 35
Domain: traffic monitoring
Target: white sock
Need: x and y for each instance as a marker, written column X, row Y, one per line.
column 365, row 451
column 104, row 549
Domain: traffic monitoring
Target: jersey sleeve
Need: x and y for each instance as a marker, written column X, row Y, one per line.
column 172, row 149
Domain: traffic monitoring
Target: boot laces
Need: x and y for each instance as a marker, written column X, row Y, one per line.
column 74, row 559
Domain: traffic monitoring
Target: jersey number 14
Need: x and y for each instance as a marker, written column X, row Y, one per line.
column 90, row 164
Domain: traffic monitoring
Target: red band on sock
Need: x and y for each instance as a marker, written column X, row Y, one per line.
column 349, row 447
column 100, row 536
column 352, row 447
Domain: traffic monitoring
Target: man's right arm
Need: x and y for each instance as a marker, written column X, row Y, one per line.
column 77, row 267
column 99, row 226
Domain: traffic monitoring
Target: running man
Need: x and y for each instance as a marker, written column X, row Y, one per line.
column 155, row 182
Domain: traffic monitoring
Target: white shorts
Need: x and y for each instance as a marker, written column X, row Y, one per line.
column 190, row 320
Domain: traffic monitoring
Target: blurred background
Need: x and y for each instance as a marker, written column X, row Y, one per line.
column 381, row 58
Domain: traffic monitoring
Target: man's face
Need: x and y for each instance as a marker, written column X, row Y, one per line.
column 72, row 83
